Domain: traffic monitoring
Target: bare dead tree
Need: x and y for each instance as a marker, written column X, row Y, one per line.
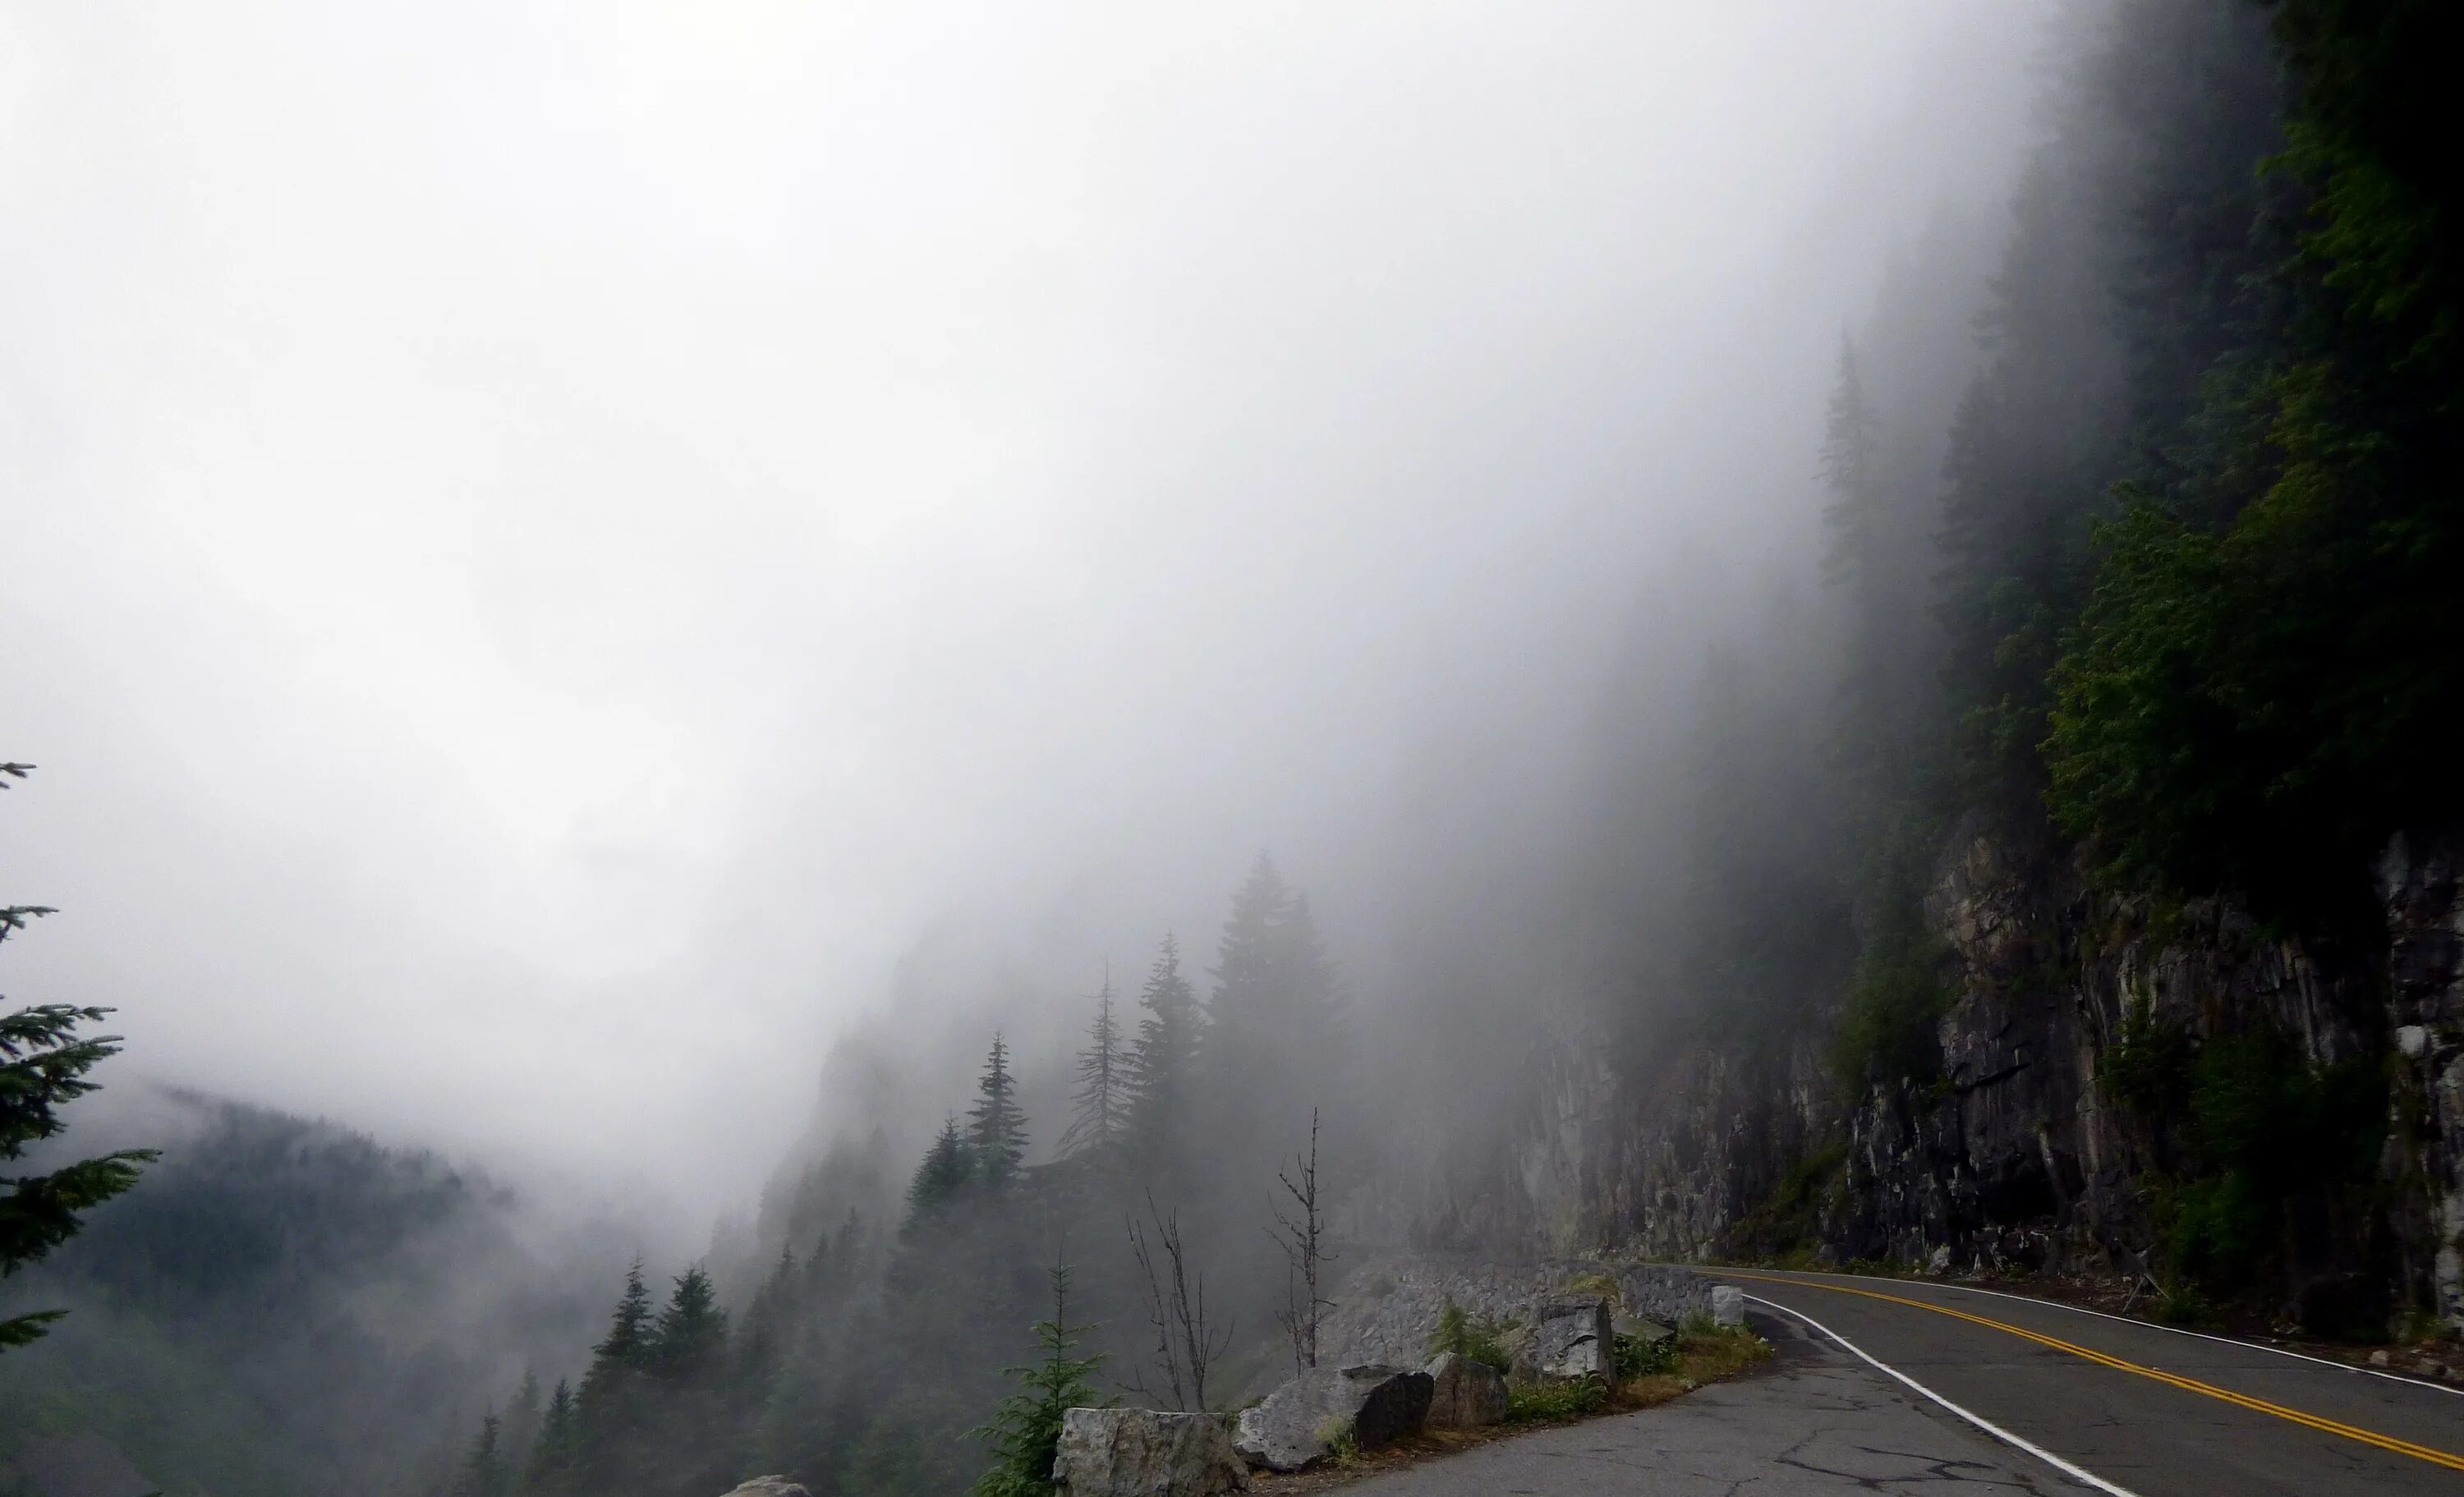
column 1303, row 1239
column 1187, row 1344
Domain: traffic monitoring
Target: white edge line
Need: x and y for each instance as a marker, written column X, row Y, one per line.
column 2149, row 1324
column 2074, row 1472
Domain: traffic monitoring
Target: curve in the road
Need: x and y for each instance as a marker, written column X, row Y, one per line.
column 2324, row 1425
column 2068, row 1469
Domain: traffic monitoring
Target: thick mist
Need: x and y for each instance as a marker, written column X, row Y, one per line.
column 562, row 563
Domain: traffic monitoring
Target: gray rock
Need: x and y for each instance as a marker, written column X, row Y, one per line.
column 1298, row 1421
column 1664, row 1292
column 1146, row 1453
column 1465, row 1394
column 1728, row 1304
column 769, row 1486
column 1572, row 1339
column 1643, row 1328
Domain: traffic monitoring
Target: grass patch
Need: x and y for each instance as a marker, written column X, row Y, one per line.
column 1554, row 1402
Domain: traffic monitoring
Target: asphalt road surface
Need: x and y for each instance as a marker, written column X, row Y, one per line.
column 2076, row 1404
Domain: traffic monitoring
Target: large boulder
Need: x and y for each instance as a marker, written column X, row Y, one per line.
column 1300, row 1421
column 769, row 1486
column 1572, row 1339
column 1145, row 1453
column 1465, row 1394
column 1664, row 1292
column 1728, row 1304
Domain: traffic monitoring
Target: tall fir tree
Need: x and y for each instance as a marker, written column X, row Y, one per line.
column 43, row 1062
column 627, row 1345
column 996, row 1127
column 616, row 1406
column 689, row 1340
column 1102, row 1100
column 549, row 1472
column 945, row 1172
column 483, row 1469
column 518, row 1431
column 1159, row 1066
column 1278, row 1035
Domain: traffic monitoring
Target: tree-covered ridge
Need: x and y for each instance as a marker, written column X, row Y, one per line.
column 286, row 1307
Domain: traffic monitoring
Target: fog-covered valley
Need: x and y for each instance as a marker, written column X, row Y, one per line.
column 705, row 687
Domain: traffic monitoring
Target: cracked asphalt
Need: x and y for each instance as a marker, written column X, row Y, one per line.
column 1816, row 1420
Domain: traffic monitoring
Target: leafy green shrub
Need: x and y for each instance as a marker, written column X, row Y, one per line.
column 1640, row 1358
column 1479, row 1341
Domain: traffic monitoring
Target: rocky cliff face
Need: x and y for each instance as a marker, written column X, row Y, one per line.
column 2016, row 1158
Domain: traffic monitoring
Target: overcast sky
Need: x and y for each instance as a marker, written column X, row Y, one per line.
column 544, row 545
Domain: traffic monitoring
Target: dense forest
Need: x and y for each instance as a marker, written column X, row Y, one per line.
column 2139, row 556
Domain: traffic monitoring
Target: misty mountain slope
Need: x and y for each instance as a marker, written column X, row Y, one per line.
column 291, row 1308
column 2094, row 910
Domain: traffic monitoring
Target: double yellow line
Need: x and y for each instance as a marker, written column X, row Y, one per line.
column 2315, row 1421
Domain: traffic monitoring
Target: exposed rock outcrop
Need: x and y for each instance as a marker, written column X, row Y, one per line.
column 1465, row 1394
column 1387, row 1307
column 2016, row 1158
column 769, row 1486
column 1570, row 1338
column 1300, row 1423
column 1146, row 1453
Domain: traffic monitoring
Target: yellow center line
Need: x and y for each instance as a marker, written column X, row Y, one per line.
column 2188, row 1384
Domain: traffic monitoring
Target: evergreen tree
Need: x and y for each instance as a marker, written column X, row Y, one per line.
column 519, row 1430
column 1103, row 1095
column 483, row 1469
column 695, row 1442
column 615, row 1407
column 1852, row 467
column 43, row 1062
column 768, row 1322
column 549, row 1472
column 996, row 1128
column 1278, row 1038
column 945, row 1172
column 690, row 1336
column 1026, row 1431
column 1157, row 1070
column 626, row 1345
